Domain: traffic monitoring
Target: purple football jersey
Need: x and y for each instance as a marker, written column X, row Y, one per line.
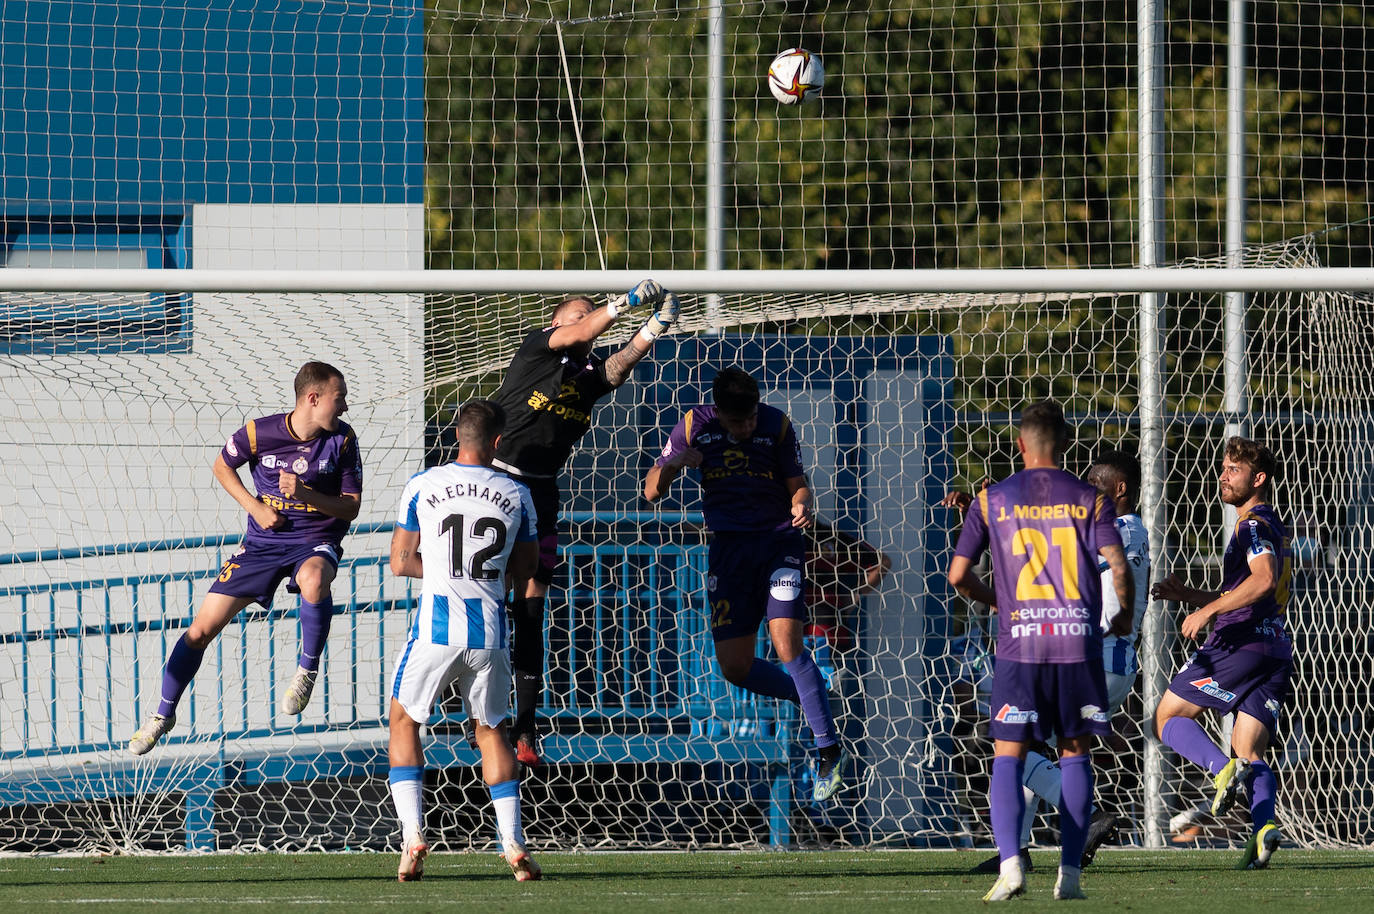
column 1258, row 531
column 743, row 483
column 329, row 463
column 1044, row 528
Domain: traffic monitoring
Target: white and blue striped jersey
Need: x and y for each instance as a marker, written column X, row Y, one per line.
column 1118, row 653
column 469, row 517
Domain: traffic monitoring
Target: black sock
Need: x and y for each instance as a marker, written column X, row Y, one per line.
column 527, row 657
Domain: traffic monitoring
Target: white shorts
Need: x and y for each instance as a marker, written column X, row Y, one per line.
column 1118, row 687
column 424, row 670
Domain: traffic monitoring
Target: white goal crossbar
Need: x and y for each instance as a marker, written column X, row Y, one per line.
column 1170, row 279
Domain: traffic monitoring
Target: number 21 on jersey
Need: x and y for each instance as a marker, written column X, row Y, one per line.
column 1036, row 547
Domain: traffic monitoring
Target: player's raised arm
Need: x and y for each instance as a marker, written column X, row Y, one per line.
column 579, row 322
column 618, row 366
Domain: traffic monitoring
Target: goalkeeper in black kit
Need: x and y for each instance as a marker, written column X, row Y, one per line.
column 552, row 386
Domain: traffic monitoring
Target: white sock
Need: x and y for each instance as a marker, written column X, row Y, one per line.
column 1028, row 820
column 1011, row 870
column 505, row 797
column 1043, row 777
column 408, row 796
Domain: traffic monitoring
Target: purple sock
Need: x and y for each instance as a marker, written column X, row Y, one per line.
column 177, row 674
column 1186, row 737
column 769, row 679
column 1008, row 804
column 815, row 703
column 1263, row 787
column 1075, row 807
column 315, row 619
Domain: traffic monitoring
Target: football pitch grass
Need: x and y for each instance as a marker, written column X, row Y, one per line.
column 761, row 882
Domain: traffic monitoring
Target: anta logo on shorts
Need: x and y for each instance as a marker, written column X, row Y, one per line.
column 1209, row 686
column 1010, row 714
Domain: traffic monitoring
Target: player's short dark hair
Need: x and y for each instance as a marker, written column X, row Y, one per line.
column 314, row 375
column 479, row 422
column 567, row 303
column 1126, row 465
column 1255, row 455
column 1044, row 424
column 735, row 391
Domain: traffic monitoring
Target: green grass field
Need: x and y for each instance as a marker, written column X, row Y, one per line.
column 1173, row 882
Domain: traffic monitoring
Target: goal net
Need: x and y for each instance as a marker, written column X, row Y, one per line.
column 237, row 137
column 113, row 528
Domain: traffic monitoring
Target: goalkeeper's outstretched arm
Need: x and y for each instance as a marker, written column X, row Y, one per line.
column 618, row 366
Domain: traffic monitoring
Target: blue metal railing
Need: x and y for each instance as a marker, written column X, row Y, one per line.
column 630, row 673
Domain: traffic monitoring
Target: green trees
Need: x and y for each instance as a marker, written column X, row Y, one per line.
column 950, row 135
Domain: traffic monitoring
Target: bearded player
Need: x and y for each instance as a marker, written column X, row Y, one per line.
column 1244, row 666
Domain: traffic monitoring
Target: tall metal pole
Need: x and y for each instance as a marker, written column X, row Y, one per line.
column 715, row 149
column 1235, row 393
column 1150, row 155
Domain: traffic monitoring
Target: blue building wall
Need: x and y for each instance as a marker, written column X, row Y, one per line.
column 221, row 101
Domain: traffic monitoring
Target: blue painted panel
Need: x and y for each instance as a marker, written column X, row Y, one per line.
column 217, row 102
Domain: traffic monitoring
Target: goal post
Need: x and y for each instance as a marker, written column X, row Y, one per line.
column 113, row 526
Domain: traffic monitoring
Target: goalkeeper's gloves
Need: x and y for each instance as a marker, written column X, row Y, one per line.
column 647, row 292
column 661, row 319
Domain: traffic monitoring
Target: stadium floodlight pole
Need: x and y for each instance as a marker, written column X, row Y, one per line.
column 701, row 282
column 1154, row 636
column 1236, row 376
column 715, row 151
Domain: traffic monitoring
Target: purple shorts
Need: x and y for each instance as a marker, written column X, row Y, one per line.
column 1244, row 678
column 1033, row 701
column 257, row 568
column 753, row 575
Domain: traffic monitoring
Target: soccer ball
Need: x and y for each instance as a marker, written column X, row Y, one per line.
column 796, row 75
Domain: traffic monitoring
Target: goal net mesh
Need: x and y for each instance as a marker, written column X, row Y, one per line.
column 113, row 528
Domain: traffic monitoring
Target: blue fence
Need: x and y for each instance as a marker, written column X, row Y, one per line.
column 630, row 677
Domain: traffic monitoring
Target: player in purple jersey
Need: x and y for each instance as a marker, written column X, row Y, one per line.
column 1044, row 529
column 756, row 502
column 1116, row 475
column 1244, row 666
column 550, row 390
column 308, row 474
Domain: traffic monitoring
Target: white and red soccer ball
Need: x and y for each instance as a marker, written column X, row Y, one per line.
column 796, row 75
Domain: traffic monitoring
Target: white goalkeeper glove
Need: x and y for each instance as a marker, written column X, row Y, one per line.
column 647, row 292
column 659, row 322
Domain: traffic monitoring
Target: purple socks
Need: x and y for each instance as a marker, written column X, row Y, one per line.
column 815, row 703
column 1186, row 737
column 1075, row 807
column 177, row 675
column 1007, row 803
column 1263, row 787
column 315, row 619
column 765, row 678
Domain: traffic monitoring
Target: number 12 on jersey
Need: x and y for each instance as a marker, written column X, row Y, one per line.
column 476, row 568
